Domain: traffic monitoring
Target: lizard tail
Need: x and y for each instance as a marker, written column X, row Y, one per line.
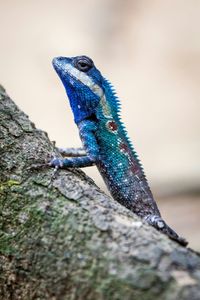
column 160, row 224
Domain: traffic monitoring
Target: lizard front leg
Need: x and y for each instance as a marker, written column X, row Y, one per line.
column 72, row 152
column 80, row 158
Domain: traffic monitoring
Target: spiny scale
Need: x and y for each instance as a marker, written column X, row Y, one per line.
column 96, row 110
column 116, row 104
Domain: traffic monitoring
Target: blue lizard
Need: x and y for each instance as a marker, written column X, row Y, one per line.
column 96, row 110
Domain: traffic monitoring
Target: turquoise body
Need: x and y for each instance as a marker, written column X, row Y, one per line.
column 119, row 164
column 96, row 112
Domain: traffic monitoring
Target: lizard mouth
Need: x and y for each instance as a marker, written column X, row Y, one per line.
column 68, row 73
column 62, row 68
column 58, row 63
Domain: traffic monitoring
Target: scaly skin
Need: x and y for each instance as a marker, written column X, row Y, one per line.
column 105, row 142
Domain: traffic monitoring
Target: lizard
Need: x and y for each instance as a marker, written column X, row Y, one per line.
column 96, row 110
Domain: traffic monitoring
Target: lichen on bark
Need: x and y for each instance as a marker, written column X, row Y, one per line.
column 62, row 238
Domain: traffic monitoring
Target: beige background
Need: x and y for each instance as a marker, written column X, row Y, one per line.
column 150, row 51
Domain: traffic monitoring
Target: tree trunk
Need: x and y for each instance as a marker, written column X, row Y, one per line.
column 62, row 238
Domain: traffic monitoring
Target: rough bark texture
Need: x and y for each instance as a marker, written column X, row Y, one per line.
column 62, row 238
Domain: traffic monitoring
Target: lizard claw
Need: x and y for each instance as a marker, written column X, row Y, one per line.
column 38, row 166
column 56, row 163
column 160, row 224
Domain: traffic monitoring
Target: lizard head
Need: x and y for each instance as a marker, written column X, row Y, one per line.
column 83, row 84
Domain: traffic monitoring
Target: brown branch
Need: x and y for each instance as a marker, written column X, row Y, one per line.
column 65, row 239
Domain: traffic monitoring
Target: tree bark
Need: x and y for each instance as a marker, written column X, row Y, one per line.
column 62, row 238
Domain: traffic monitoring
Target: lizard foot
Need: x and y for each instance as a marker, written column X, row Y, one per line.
column 160, row 224
column 56, row 163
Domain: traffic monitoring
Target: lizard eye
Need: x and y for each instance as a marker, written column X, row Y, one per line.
column 83, row 63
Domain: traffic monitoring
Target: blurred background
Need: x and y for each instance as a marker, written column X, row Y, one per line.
column 150, row 51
